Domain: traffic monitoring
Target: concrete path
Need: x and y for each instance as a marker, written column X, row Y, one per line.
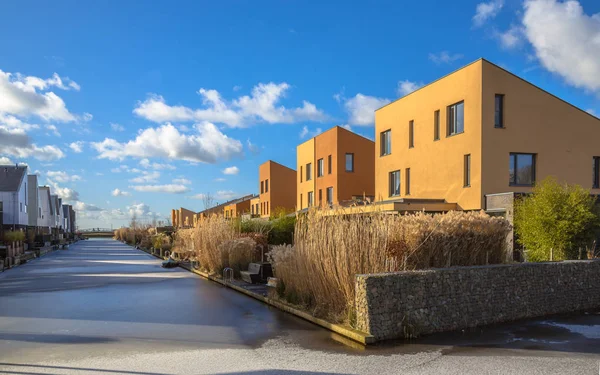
column 102, row 307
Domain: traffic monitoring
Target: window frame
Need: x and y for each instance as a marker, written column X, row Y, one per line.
column 407, row 181
column 499, row 125
column 262, row 187
column 346, row 162
column 596, row 172
column 329, row 164
column 436, row 125
column 533, row 169
column 467, row 171
column 308, row 171
column 386, row 134
column 449, row 118
column 411, row 134
column 329, row 195
column 267, row 185
column 310, row 199
column 320, row 168
column 301, row 172
column 391, row 187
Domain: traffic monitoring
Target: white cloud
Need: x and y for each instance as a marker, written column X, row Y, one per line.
column 65, row 193
column 15, row 142
column 262, row 105
column 182, row 181
column 116, row 127
column 62, row 176
column 145, row 163
column 511, row 38
column 53, row 129
column 224, row 195
column 208, row 145
column 80, row 206
column 305, row 132
column 361, row 109
column 347, row 127
column 406, row 87
column 486, row 11
column 231, row 170
column 24, row 96
column 444, row 57
column 77, row 147
column 139, row 209
column 566, row 40
column 592, row 112
column 146, row 177
column 253, row 148
column 169, row 188
column 6, row 161
column 11, row 122
column 220, row 179
column 120, row 193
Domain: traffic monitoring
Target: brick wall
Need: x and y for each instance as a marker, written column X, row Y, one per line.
column 404, row 304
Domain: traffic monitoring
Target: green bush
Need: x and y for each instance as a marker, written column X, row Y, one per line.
column 556, row 219
column 14, row 236
column 282, row 230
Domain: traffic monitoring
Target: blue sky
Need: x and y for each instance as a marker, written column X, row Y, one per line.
column 166, row 101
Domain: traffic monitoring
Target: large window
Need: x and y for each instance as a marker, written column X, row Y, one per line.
column 499, row 111
column 467, row 171
column 349, row 162
column 456, row 118
column 522, row 169
column 411, row 134
column 386, row 142
column 436, row 125
column 407, row 181
column 596, row 182
column 320, row 168
column 394, row 183
column 310, row 199
column 329, row 164
column 308, row 171
column 330, row 195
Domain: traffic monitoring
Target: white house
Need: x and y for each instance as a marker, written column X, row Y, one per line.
column 13, row 197
column 46, row 220
column 33, row 201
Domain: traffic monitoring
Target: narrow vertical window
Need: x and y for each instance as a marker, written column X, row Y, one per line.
column 310, row 199
column 456, row 118
column 329, row 164
column 385, row 142
column 436, row 125
column 262, row 187
column 320, row 197
column 596, row 182
column 411, row 134
column 330, row 195
column 301, row 173
column 499, row 111
column 467, row 172
column 320, row 168
column 349, row 162
column 266, row 185
column 300, row 200
column 407, row 181
column 308, row 171
column 394, row 183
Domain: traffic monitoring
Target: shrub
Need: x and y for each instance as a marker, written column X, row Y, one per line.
column 330, row 250
column 14, row 236
column 555, row 219
column 282, row 231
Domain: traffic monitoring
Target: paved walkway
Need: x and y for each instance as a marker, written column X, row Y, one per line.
column 102, row 307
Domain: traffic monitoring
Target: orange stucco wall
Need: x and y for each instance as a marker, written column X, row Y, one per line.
column 281, row 194
column 436, row 167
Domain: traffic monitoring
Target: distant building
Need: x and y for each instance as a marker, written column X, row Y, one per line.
column 238, row 207
column 13, row 197
column 46, row 220
column 277, row 186
column 182, row 218
column 33, row 201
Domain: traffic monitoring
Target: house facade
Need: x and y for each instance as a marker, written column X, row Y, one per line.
column 13, row 197
column 334, row 168
column 478, row 133
column 277, row 187
column 33, row 201
column 46, row 220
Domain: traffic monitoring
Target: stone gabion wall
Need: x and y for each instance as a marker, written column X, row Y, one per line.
column 412, row 303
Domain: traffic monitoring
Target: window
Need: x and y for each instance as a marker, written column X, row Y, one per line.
column 499, row 111
column 522, row 169
column 2, row 207
column 267, row 208
column 456, row 118
column 39, row 211
column 300, row 173
column 411, row 134
column 349, row 162
column 596, row 183
column 266, row 185
column 394, row 183
column 300, row 201
column 20, row 206
column 320, row 197
column 330, row 195
column 467, row 171
column 308, row 171
column 386, row 142
column 262, row 187
column 252, row 210
column 436, row 125
column 320, row 168
column 407, row 181
column 329, row 164
column 310, row 199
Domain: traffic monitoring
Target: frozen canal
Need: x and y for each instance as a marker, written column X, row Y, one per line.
column 102, row 307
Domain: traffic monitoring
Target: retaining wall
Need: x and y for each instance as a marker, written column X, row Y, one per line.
column 411, row 303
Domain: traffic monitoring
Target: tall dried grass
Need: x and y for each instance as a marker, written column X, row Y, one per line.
column 329, row 250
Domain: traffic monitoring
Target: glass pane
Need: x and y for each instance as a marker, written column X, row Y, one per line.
column 460, row 117
column 511, row 169
column 349, row 162
column 524, row 169
column 498, row 111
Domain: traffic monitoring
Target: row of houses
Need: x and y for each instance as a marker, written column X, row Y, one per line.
column 471, row 140
column 26, row 206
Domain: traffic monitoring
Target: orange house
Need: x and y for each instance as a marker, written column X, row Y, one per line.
column 335, row 168
column 277, row 188
column 182, row 218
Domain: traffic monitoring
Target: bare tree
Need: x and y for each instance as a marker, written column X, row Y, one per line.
column 208, row 201
column 133, row 223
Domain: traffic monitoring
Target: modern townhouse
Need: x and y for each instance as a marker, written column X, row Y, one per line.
column 476, row 137
column 277, row 186
column 34, row 211
column 46, row 221
column 57, row 217
column 238, row 207
column 13, row 197
column 335, row 168
column 255, row 206
column 182, row 218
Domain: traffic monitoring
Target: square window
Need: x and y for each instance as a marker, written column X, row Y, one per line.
column 522, row 169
